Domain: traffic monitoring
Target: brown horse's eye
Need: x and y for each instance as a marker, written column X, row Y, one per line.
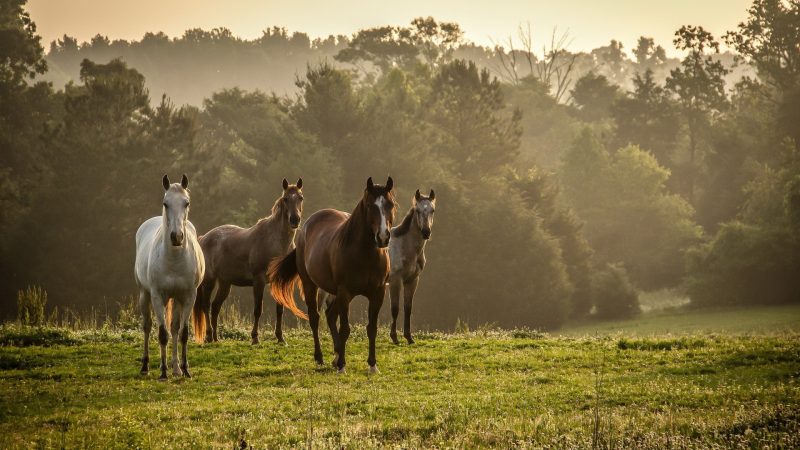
column 165, row 204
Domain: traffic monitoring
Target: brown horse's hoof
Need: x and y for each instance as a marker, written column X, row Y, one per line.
column 341, row 371
column 373, row 370
column 144, row 373
column 335, row 362
column 186, row 373
column 409, row 339
column 163, row 377
column 255, row 341
column 395, row 341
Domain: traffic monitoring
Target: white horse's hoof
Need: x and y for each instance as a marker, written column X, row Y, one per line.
column 374, row 369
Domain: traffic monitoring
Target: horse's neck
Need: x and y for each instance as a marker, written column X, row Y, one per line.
column 274, row 228
column 413, row 236
column 355, row 228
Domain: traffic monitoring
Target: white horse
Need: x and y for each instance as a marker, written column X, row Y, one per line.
column 169, row 265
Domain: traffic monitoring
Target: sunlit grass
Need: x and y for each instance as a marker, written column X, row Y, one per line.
column 485, row 388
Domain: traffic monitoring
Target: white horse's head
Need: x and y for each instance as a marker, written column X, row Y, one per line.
column 424, row 207
column 176, row 209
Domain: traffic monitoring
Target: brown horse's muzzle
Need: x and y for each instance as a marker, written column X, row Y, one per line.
column 382, row 242
column 294, row 221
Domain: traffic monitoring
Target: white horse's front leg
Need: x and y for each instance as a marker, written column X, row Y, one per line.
column 157, row 300
column 175, row 328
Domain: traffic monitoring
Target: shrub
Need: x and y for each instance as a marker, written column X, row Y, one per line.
column 30, row 306
column 745, row 264
column 614, row 295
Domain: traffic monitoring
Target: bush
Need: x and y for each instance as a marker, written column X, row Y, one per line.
column 30, row 306
column 614, row 295
column 744, row 265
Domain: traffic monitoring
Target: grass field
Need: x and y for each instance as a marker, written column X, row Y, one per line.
column 489, row 388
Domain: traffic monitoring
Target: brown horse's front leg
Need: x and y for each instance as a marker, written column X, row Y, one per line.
column 258, row 299
column 343, row 304
column 375, row 303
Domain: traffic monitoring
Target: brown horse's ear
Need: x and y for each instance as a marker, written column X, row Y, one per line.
column 299, row 183
column 417, row 196
column 165, row 182
column 370, row 185
column 389, row 184
column 285, row 184
column 184, row 181
column 432, row 195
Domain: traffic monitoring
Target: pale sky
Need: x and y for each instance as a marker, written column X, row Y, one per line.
column 591, row 23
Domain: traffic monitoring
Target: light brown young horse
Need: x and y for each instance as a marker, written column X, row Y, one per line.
column 345, row 255
column 407, row 255
column 240, row 257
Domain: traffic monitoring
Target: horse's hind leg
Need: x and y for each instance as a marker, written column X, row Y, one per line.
column 279, row 323
column 159, row 308
column 175, row 327
column 310, row 293
column 223, row 289
column 409, row 288
column 186, row 310
column 259, row 281
column 147, row 324
column 394, row 293
column 204, row 297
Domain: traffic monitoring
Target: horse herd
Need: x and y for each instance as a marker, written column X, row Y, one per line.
column 332, row 258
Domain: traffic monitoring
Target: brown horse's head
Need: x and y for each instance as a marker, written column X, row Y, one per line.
column 176, row 209
column 292, row 202
column 379, row 202
column 424, row 207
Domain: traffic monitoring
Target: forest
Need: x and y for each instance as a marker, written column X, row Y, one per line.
column 567, row 183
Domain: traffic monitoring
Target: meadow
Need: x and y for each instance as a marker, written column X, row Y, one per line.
column 581, row 388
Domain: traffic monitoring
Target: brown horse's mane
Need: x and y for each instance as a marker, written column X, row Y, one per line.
column 405, row 225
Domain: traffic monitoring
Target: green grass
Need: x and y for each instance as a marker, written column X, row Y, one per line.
column 755, row 320
column 491, row 388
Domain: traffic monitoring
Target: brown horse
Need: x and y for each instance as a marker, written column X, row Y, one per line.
column 345, row 255
column 240, row 257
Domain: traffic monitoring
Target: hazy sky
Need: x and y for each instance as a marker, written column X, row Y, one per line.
column 591, row 23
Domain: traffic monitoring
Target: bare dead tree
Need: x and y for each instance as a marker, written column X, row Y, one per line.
column 554, row 67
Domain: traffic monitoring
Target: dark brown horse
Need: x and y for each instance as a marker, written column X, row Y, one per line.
column 344, row 255
column 240, row 257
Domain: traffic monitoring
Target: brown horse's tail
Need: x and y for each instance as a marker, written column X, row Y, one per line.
column 283, row 277
column 199, row 317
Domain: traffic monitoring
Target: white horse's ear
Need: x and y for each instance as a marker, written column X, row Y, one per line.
column 285, row 184
column 417, row 196
column 370, row 185
column 300, row 183
column 165, row 182
column 432, row 195
column 389, row 184
column 184, row 181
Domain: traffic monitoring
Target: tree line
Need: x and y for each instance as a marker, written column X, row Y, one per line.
column 551, row 206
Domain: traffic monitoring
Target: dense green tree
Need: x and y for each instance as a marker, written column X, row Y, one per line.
column 630, row 217
column 647, row 117
column 467, row 103
column 699, row 87
column 594, row 95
